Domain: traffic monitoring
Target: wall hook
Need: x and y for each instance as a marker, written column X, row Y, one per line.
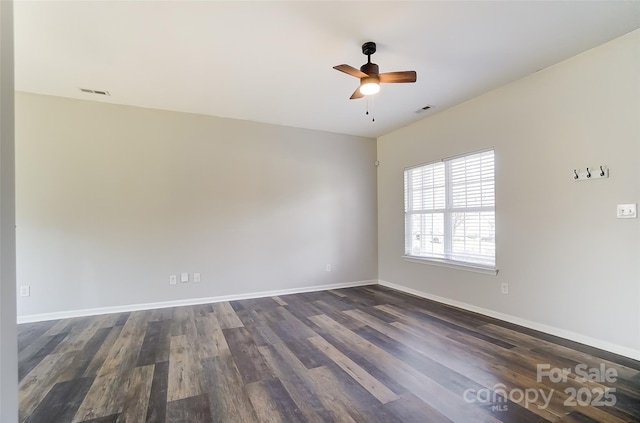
column 576, row 173
column 601, row 171
column 588, row 173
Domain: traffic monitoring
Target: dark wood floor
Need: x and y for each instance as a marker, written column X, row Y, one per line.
column 366, row 354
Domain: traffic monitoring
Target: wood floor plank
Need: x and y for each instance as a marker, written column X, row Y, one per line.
column 361, row 297
column 122, row 319
column 258, row 304
column 227, row 316
column 301, row 308
column 272, row 402
column 410, row 409
column 101, row 355
column 262, row 334
column 80, row 336
column 452, row 355
column 157, row 406
column 185, row 370
column 138, row 392
column 303, row 350
column 450, row 379
column 163, row 348
column 338, row 293
column 31, row 356
column 345, row 397
column 246, row 355
column 106, row 396
column 426, row 389
column 190, row 410
column 440, row 348
column 107, row 419
column 84, row 356
column 453, row 330
column 210, row 338
column 295, row 325
column 518, row 381
column 110, row 320
column 338, row 315
column 227, row 396
column 335, row 303
column 61, row 402
column 202, row 310
column 366, row 362
column 165, row 313
column 454, row 381
column 30, row 332
column 183, row 321
column 296, row 385
column 530, row 342
column 371, row 384
column 64, row 326
column 279, row 300
column 36, row 385
column 148, row 351
column 341, row 398
column 338, row 400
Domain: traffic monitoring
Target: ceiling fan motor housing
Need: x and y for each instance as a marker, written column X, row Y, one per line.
column 370, row 68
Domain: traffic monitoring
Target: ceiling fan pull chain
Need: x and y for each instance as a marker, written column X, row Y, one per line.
column 373, row 104
column 367, row 112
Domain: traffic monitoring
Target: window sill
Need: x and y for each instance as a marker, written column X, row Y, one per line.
column 452, row 265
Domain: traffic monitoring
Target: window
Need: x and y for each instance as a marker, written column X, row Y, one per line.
column 450, row 210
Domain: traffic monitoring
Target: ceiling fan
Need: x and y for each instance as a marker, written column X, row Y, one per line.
column 370, row 76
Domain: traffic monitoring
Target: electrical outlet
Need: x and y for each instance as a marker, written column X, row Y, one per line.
column 184, row 277
column 505, row 288
column 173, row 279
column 328, row 268
column 627, row 211
column 196, row 277
column 25, row 291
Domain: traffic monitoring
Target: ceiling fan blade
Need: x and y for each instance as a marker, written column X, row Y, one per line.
column 394, row 77
column 356, row 94
column 350, row 70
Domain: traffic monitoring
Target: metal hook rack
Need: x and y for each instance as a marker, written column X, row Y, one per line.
column 590, row 172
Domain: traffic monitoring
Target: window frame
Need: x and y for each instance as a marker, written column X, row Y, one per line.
column 447, row 213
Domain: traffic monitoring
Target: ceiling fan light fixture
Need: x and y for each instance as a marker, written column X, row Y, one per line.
column 369, row 86
column 370, row 76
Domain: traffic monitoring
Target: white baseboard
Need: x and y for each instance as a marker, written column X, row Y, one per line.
column 31, row 318
column 551, row 330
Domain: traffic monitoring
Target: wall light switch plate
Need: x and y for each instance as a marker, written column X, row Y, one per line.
column 627, row 211
column 184, row 277
column 25, row 291
column 173, row 279
column 196, row 277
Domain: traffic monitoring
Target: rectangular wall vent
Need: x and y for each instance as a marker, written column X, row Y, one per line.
column 90, row 91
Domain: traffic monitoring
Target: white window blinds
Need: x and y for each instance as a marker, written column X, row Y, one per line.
column 450, row 210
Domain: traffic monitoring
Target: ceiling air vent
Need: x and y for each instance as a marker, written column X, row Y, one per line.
column 423, row 109
column 99, row 92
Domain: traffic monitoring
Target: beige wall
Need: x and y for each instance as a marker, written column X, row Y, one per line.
column 8, row 337
column 569, row 262
column 111, row 200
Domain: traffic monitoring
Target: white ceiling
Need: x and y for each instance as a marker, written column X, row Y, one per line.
column 271, row 61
